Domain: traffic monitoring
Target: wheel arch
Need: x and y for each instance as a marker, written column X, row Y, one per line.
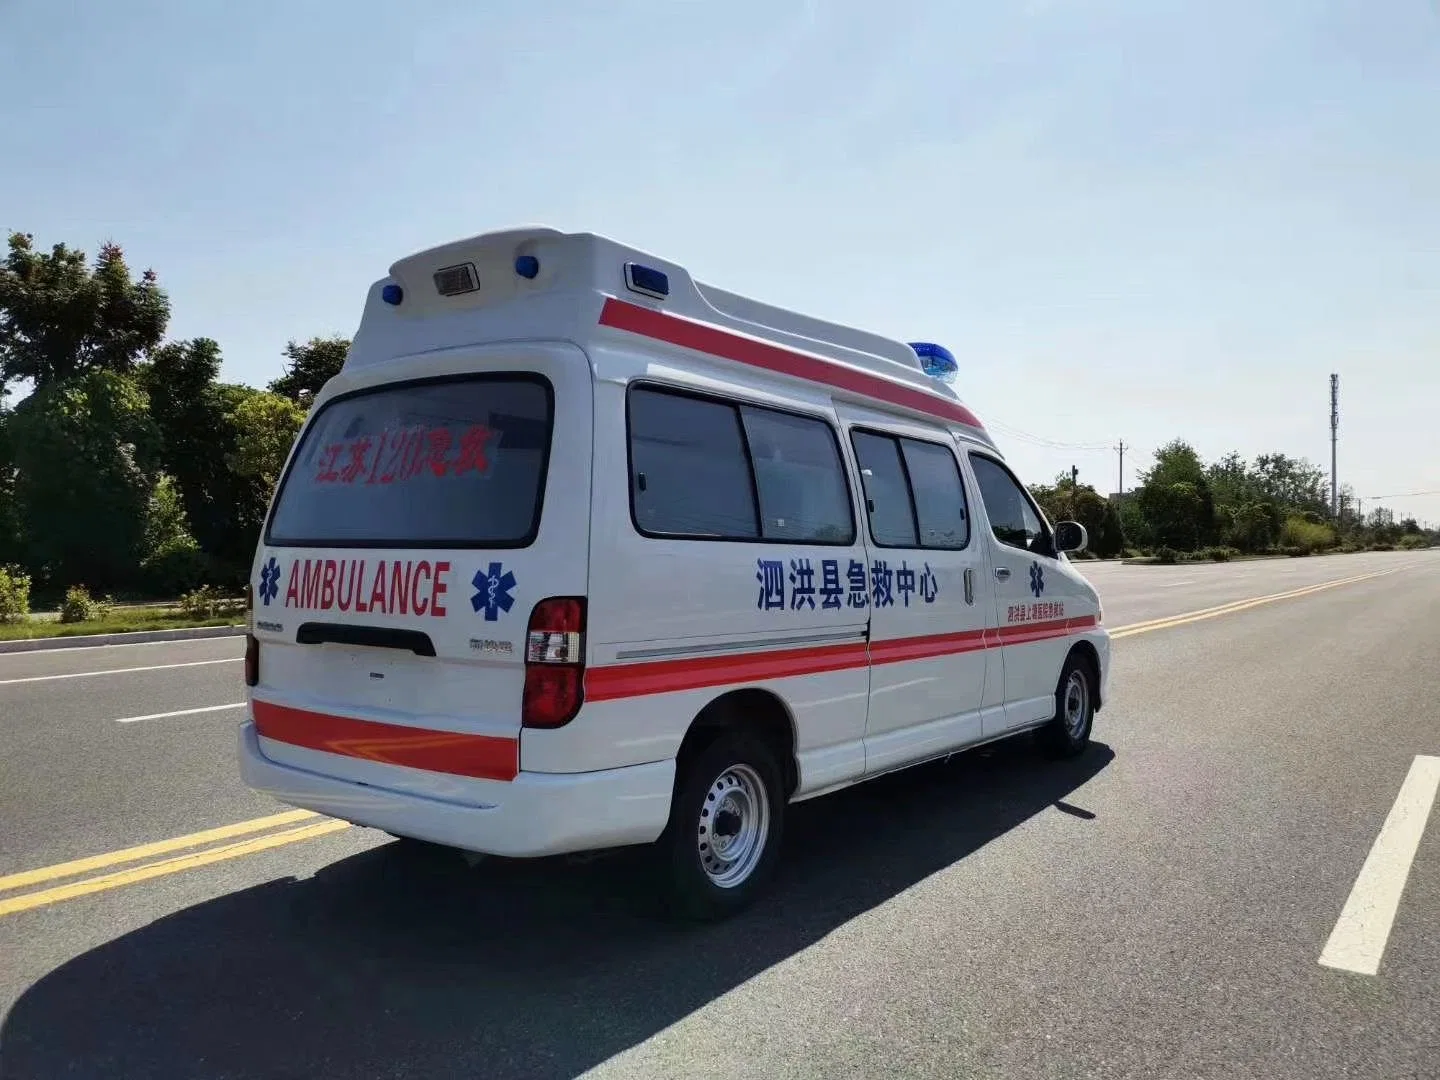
column 759, row 712
column 1091, row 656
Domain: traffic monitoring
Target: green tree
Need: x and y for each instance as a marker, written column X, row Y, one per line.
column 61, row 317
column 1066, row 501
column 1175, row 500
column 195, row 414
column 86, row 455
column 266, row 426
column 310, row 366
column 9, row 508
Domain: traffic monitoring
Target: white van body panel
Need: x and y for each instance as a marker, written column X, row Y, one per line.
column 874, row 655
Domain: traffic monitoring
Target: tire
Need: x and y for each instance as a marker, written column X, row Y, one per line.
column 1068, row 733
column 727, row 820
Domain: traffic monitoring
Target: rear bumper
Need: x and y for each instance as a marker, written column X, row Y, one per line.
column 533, row 815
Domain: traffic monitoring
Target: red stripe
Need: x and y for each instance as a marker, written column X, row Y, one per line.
column 925, row 648
column 672, row 676
column 456, row 752
column 669, row 676
column 703, row 337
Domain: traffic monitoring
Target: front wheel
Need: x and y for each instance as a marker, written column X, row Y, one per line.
column 726, row 823
column 1069, row 732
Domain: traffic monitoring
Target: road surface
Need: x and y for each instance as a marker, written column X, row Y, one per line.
column 1256, row 799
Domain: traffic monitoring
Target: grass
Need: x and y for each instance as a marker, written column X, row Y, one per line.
column 118, row 621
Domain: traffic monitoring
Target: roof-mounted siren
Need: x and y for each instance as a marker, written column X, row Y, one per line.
column 936, row 361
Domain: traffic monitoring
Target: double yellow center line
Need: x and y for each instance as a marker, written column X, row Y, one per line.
column 221, row 850
column 261, row 834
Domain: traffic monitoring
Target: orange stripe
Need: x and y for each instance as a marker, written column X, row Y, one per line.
column 459, row 753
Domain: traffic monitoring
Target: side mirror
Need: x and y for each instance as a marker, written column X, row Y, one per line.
column 1070, row 536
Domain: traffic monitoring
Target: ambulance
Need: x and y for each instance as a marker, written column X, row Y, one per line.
column 577, row 553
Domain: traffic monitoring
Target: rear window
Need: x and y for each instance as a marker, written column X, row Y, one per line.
column 442, row 463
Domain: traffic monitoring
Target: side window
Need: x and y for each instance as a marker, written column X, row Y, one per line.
column 688, row 472
column 887, row 493
column 707, row 469
column 940, row 509
column 1012, row 518
column 798, row 478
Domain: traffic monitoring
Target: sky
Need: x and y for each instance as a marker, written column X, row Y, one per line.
column 1133, row 221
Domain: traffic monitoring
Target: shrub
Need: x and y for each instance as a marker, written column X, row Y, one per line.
column 1293, row 551
column 1414, row 542
column 1310, row 535
column 207, row 602
column 1382, row 546
column 177, row 569
column 14, row 595
column 1167, row 555
column 1220, row 554
column 79, row 606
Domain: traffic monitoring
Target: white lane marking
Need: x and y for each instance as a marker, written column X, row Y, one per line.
column 179, row 712
column 1172, row 584
column 1358, row 940
column 118, row 671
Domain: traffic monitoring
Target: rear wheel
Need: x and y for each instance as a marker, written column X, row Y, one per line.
column 1069, row 732
column 726, row 821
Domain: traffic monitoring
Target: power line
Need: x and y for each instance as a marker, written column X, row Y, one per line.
column 1041, row 440
column 1403, row 495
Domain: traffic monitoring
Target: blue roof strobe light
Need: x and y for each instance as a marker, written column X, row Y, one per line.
column 647, row 280
column 392, row 294
column 936, row 360
column 527, row 266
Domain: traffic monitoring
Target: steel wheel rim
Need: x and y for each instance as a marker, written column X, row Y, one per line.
column 734, row 826
column 1076, row 704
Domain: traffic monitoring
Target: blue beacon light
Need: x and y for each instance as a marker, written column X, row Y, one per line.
column 392, row 294
column 527, row 266
column 936, row 361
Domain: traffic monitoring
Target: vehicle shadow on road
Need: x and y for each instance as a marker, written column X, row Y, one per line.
column 398, row 962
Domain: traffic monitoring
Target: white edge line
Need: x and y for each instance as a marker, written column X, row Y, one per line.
column 117, row 671
column 179, row 712
column 1358, row 940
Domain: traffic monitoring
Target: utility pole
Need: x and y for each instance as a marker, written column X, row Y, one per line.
column 1334, row 434
column 1121, row 448
column 1074, row 476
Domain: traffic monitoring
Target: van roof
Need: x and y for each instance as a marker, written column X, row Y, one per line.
column 539, row 282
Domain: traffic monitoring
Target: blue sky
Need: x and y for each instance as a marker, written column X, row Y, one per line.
column 1131, row 220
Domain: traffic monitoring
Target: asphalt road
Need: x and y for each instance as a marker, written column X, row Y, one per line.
column 1156, row 908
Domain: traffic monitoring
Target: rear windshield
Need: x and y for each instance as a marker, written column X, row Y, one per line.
column 442, row 463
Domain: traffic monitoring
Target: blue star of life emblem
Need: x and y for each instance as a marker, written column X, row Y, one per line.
column 1037, row 578
column 269, row 581
column 493, row 591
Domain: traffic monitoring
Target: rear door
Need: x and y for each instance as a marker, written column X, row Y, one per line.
column 419, row 522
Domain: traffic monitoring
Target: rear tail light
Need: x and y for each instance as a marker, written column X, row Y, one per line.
column 252, row 660
column 252, row 646
column 554, row 663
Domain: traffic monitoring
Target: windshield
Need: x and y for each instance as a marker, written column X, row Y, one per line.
column 443, row 463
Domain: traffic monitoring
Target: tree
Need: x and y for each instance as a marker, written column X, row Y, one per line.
column 1175, row 499
column 60, row 317
column 9, row 509
column 86, row 454
column 1064, row 500
column 266, row 426
column 199, row 434
column 310, row 366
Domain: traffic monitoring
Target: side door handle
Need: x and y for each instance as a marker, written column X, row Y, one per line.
column 969, row 585
column 1002, row 573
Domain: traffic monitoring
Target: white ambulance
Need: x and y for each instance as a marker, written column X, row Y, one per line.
column 577, row 552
